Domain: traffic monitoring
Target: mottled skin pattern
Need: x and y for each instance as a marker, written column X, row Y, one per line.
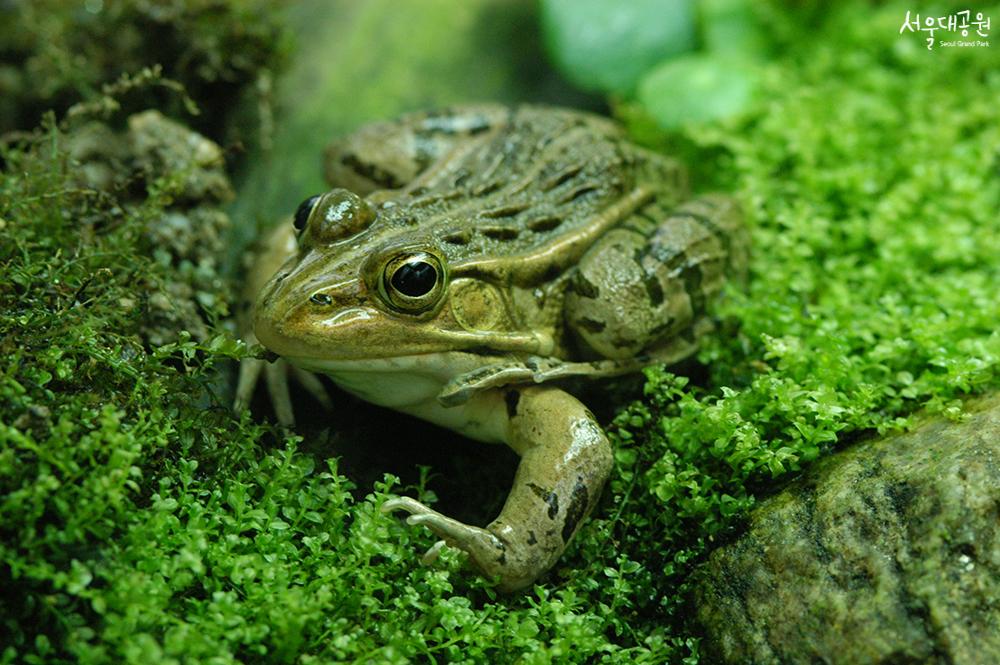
column 470, row 257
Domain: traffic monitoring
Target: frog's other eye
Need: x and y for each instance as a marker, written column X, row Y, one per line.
column 413, row 282
column 328, row 218
column 303, row 211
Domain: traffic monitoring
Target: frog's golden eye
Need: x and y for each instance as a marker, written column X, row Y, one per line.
column 413, row 282
column 303, row 211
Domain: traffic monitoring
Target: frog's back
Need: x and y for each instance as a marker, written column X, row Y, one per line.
column 517, row 179
column 556, row 213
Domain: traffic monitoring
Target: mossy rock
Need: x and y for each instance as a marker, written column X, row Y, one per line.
column 887, row 552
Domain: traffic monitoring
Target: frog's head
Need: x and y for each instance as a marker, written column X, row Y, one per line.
column 364, row 285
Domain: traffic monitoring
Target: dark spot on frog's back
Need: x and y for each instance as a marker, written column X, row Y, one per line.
column 509, row 210
column 584, row 287
column 500, row 233
column 579, row 193
column 445, row 123
column 370, row 171
column 512, row 398
column 577, row 508
column 591, row 325
column 479, row 127
column 708, row 224
column 458, row 238
column 553, row 500
column 660, row 330
column 545, row 224
column 654, row 290
column 562, row 178
column 692, row 277
column 551, row 273
column 487, row 188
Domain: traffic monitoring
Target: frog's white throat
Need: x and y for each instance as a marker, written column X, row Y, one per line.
column 403, row 382
column 411, row 384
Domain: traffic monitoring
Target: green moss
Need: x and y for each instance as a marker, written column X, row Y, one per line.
column 142, row 522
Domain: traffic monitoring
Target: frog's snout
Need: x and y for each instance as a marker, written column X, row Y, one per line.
column 269, row 331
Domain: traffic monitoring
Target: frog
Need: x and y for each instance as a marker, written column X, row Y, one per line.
column 468, row 266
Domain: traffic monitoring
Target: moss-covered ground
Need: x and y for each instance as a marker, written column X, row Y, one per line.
column 142, row 521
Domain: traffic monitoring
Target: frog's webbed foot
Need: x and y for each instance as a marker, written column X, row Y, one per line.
column 484, row 547
column 565, row 459
column 491, row 555
column 276, row 378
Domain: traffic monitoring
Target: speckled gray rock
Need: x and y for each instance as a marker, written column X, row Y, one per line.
column 186, row 236
column 887, row 552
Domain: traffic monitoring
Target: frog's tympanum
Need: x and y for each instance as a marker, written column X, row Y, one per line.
column 468, row 260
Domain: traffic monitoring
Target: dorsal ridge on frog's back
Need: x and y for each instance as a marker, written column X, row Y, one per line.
column 539, row 174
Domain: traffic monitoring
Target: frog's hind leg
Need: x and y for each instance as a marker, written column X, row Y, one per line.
column 647, row 280
column 394, row 154
column 565, row 461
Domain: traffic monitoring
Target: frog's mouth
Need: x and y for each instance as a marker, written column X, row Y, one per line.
column 364, row 334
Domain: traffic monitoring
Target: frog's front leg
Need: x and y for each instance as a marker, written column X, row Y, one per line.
column 260, row 265
column 565, row 460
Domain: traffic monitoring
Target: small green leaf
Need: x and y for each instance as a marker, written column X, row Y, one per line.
column 696, row 89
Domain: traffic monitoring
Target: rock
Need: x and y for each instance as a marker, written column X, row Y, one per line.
column 161, row 145
column 185, row 230
column 887, row 552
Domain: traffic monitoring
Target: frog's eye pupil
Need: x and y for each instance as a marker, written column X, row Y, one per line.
column 415, row 279
column 302, row 212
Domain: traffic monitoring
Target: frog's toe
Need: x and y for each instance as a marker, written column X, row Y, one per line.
column 276, row 377
column 250, row 369
column 451, row 530
column 433, row 552
column 411, row 506
column 485, row 549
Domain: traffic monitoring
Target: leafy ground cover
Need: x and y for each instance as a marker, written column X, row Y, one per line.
column 141, row 521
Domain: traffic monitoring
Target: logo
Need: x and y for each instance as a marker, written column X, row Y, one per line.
column 958, row 22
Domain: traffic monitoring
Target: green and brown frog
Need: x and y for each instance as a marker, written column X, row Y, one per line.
column 466, row 262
